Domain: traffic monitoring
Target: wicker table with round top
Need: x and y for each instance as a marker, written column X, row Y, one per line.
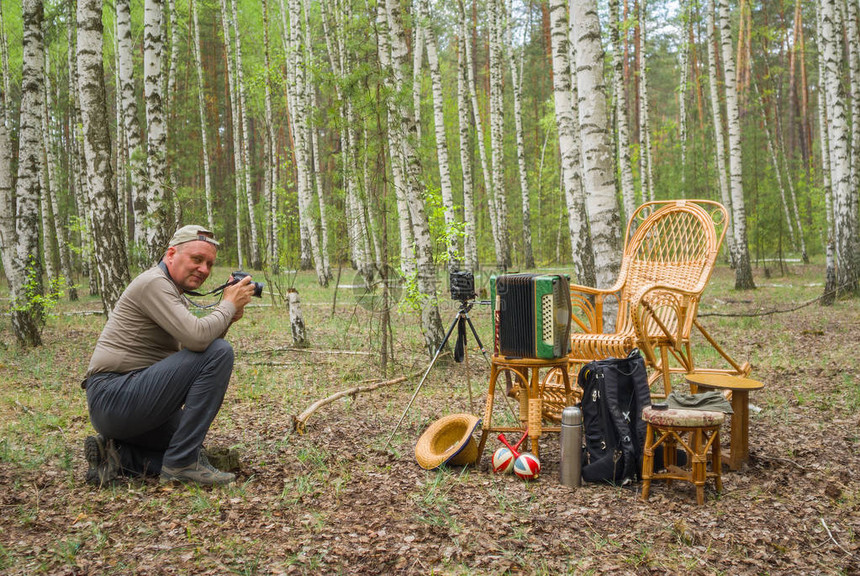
column 740, row 388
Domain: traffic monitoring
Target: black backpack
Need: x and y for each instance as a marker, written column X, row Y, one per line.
column 615, row 391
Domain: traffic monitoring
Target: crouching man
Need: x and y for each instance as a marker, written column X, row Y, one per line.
column 159, row 373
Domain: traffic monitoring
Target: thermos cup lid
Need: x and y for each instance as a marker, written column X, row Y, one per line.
column 571, row 416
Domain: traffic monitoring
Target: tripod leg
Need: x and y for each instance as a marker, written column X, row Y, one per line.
column 421, row 383
column 477, row 339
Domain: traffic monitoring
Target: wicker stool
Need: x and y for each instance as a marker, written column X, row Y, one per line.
column 667, row 428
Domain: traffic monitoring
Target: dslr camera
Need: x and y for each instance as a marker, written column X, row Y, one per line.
column 238, row 275
column 462, row 285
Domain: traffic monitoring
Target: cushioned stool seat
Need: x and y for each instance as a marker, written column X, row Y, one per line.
column 668, row 428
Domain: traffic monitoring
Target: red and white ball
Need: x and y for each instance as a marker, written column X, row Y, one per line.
column 503, row 461
column 527, row 466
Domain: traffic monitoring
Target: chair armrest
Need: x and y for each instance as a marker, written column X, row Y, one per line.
column 586, row 307
column 667, row 310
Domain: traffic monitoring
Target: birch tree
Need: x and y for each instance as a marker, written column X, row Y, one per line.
column 719, row 142
column 598, row 172
column 743, row 268
column 516, row 90
column 108, row 244
column 269, row 178
column 131, row 124
column 299, row 115
column 201, row 113
column 645, row 166
column 830, row 282
column 501, row 256
column 497, row 134
column 242, row 108
column 28, row 313
column 7, row 195
column 566, row 124
column 157, row 222
column 401, row 126
column 470, row 242
column 398, row 169
column 238, row 167
column 839, row 147
column 451, row 241
column 628, row 192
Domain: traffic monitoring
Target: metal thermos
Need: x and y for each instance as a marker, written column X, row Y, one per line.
column 570, row 468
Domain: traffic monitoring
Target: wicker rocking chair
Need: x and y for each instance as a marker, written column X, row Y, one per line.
column 669, row 253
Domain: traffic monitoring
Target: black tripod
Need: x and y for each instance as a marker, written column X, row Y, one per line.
column 460, row 321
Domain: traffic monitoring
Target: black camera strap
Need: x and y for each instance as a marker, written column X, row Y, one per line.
column 219, row 289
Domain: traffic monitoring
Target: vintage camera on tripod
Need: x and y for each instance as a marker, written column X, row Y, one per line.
column 462, row 285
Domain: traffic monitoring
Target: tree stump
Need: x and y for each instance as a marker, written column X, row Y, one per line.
column 297, row 322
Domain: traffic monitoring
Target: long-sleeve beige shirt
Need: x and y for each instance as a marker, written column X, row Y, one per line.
column 151, row 321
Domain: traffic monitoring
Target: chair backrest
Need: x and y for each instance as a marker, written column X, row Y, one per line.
column 672, row 243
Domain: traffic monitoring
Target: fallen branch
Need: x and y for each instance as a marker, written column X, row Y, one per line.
column 829, row 533
column 310, row 351
column 300, row 420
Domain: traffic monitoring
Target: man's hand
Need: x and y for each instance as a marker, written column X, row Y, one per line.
column 239, row 294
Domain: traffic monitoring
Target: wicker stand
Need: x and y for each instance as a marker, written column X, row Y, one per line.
column 530, row 388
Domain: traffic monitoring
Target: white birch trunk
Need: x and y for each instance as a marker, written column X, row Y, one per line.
column 516, row 85
column 28, row 315
column 598, row 172
column 497, row 133
column 108, row 242
column 719, row 142
column 234, row 115
column 566, row 125
column 628, row 191
column 647, row 172
column 157, row 224
column 4, row 62
column 418, row 40
column 299, row 114
column 7, row 195
column 404, row 220
column 830, row 282
column 470, row 241
column 47, row 184
column 839, row 147
column 170, row 114
column 271, row 256
column 447, row 188
column 404, row 126
column 77, row 165
column 682, row 98
column 201, row 113
column 311, row 98
column 743, row 268
column 136, row 152
column 482, row 149
column 852, row 36
column 256, row 262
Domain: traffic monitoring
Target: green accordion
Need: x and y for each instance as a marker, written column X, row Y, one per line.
column 531, row 315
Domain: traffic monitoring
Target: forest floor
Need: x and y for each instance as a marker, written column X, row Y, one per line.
column 334, row 500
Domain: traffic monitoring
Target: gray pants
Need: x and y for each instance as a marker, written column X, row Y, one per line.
column 160, row 415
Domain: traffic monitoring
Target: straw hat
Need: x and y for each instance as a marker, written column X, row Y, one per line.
column 448, row 441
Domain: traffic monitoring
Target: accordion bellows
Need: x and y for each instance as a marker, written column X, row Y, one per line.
column 531, row 315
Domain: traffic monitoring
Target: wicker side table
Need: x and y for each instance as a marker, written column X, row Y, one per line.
column 526, row 374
